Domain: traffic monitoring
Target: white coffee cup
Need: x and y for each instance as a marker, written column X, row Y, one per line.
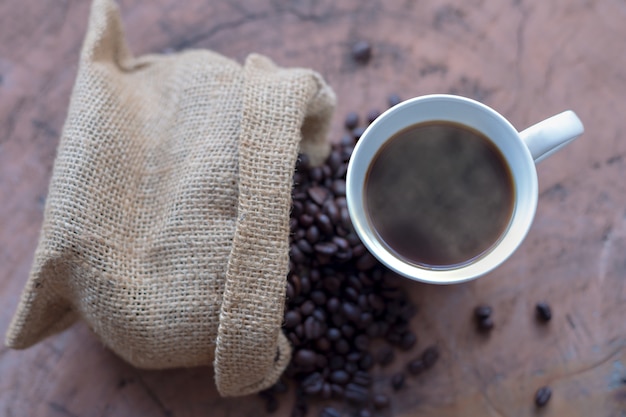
column 521, row 150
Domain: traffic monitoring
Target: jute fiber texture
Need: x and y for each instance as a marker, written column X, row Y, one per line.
column 167, row 219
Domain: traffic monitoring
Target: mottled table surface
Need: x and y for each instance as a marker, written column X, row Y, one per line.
column 527, row 59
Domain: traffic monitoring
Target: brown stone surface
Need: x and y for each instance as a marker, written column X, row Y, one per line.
column 528, row 59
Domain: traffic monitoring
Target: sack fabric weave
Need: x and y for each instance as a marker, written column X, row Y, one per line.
column 167, row 219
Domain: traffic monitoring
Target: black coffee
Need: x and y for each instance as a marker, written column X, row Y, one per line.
column 439, row 194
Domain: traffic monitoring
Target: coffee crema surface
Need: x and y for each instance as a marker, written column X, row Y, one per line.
column 439, row 194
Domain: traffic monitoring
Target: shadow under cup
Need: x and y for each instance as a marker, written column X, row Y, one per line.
column 385, row 152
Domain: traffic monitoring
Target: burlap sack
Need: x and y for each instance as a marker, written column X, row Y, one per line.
column 166, row 224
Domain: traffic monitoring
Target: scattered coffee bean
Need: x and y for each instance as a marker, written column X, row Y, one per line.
column 385, row 355
column 485, row 324
column 312, row 384
column 380, row 401
column 408, row 341
column 397, row 381
column 361, row 51
column 482, row 311
column 430, row 356
column 544, row 312
column 292, row 318
column 358, row 132
column 340, row 377
column 329, row 412
column 351, row 121
column 416, row 366
column 542, row 396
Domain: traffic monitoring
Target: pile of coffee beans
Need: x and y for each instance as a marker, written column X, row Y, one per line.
column 345, row 316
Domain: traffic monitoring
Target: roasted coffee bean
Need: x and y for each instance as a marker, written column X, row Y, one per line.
column 311, row 209
column 337, row 390
column 361, row 51
column 321, row 361
column 294, row 339
column 365, row 319
column 336, row 362
column 318, row 194
column 333, row 334
column 328, row 172
column 338, row 320
column 304, row 246
column 292, row 318
column 332, row 211
column 340, row 377
column 305, row 358
column 542, row 396
column 385, row 355
column 544, row 312
column 357, row 132
column 316, row 174
column 333, row 305
column 408, row 341
column 313, row 383
column 486, row 324
column 313, row 234
column 297, row 255
column 299, row 330
column 351, row 294
column 416, row 366
column 377, row 303
column 326, row 392
column 329, row 412
column 380, row 401
column 481, row 312
column 430, row 356
column 346, row 222
column 324, row 224
column 362, row 378
column 305, row 220
column 366, row 262
column 364, row 412
column 318, row 297
column 323, row 344
column 342, row 346
column 354, row 356
column 351, row 367
column 312, row 328
column 325, row 248
column 361, row 342
column 339, row 187
column 348, row 331
column 305, row 285
column 397, row 381
column 356, row 393
column 362, row 300
column 351, row 311
column 307, row 308
column 334, row 160
column 351, row 121
column 319, row 314
column 342, row 243
column 366, row 362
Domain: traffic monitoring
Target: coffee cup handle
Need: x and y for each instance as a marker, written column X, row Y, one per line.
column 546, row 137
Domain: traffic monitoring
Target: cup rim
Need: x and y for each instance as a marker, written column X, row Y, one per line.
column 511, row 238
